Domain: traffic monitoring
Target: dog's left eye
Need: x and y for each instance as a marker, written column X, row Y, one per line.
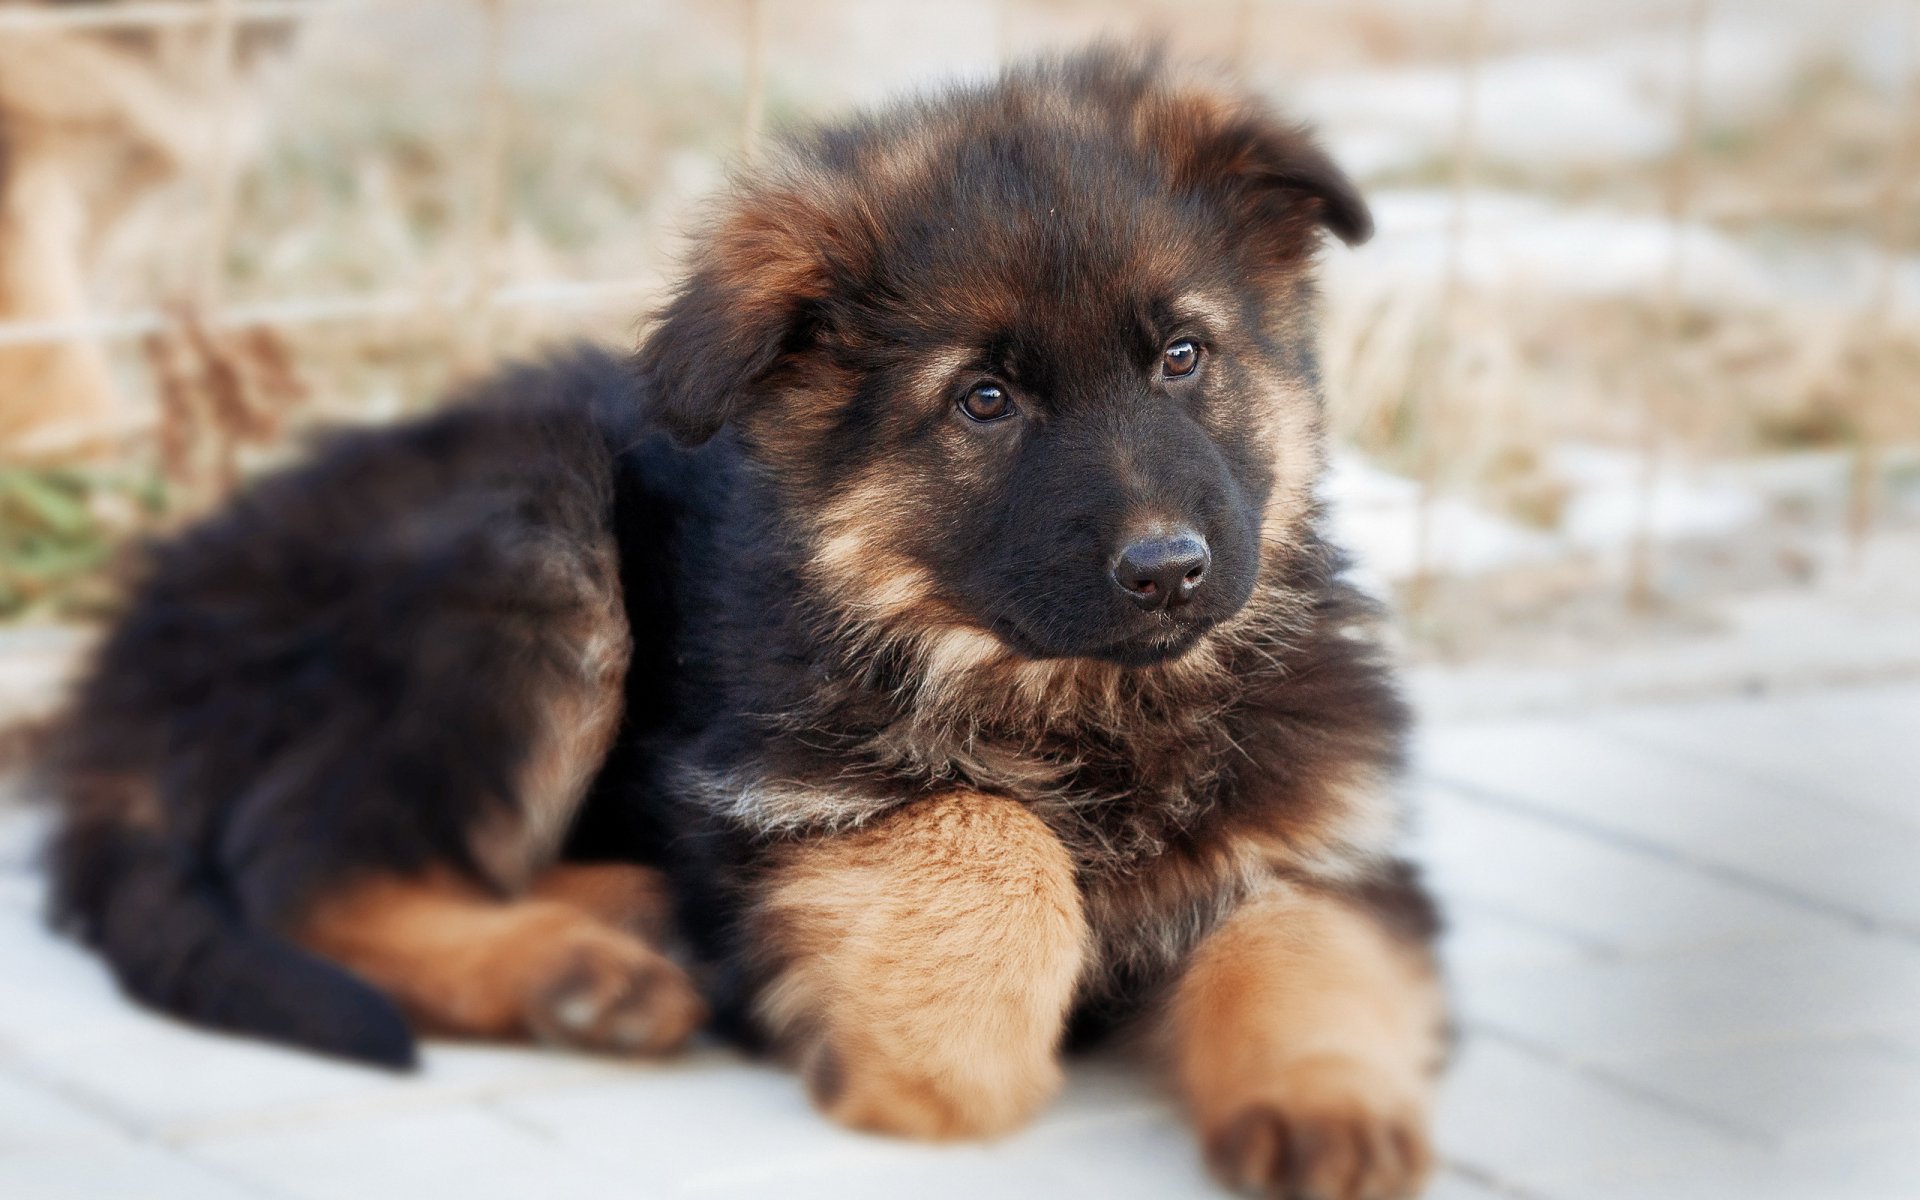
column 1179, row 359
column 986, row 402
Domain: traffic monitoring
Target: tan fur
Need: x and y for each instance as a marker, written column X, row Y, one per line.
column 580, row 724
column 936, row 373
column 856, row 561
column 1214, row 308
column 929, row 960
column 460, row 962
column 1305, row 1041
column 1205, row 882
column 778, row 806
column 579, row 720
column 637, row 899
column 121, row 799
column 889, row 599
column 1293, row 432
column 1347, row 824
column 769, row 251
column 1174, row 119
column 1361, row 824
column 957, row 650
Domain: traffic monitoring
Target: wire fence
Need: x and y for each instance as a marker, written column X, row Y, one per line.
column 470, row 305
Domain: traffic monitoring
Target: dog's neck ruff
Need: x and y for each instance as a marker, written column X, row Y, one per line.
column 1122, row 762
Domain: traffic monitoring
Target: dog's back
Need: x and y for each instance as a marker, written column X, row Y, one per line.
column 348, row 670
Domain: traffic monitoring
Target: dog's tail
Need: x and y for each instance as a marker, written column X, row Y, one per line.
column 177, row 943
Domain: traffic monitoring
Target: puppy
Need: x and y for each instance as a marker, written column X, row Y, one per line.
column 922, row 654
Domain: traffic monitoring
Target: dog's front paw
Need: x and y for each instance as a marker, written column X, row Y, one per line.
column 1325, row 1129
column 861, row 1087
column 613, row 993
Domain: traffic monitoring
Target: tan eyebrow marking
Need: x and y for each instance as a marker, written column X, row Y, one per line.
column 941, row 365
column 1210, row 307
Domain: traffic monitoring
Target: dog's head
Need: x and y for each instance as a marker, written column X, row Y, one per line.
column 1029, row 362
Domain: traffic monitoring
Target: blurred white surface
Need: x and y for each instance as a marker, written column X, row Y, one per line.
column 1686, row 948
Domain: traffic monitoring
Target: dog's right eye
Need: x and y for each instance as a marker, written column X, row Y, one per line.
column 986, row 402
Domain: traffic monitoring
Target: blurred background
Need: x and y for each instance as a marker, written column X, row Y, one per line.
column 1627, row 351
column 1626, row 394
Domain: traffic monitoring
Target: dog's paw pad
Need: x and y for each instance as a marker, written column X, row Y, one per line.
column 616, row 995
column 1334, row 1136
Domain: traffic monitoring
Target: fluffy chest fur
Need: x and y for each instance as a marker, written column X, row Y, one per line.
column 1272, row 749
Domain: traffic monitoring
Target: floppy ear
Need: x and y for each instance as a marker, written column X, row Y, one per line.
column 1273, row 174
column 729, row 326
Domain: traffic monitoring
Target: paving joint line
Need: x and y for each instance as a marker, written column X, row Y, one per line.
column 1488, row 1180
column 1586, row 945
column 1758, row 884
column 1756, row 779
column 1601, row 1077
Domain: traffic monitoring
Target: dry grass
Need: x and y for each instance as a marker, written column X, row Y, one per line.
column 1475, row 395
column 59, row 529
column 1816, row 159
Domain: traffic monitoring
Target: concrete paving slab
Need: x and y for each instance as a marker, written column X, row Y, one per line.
column 1597, row 1011
column 1679, row 975
column 1526, row 1122
column 1850, row 863
column 1608, row 899
column 122, row 1170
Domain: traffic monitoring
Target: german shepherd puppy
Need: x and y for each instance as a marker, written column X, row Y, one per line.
column 922, row 653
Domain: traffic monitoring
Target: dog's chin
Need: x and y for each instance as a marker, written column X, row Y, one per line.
column 1162, row 646
column 1153, row 647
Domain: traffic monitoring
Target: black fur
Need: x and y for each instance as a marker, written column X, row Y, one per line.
column 328, row 678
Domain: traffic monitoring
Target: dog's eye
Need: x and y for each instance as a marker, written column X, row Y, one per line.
column 986, row 402
column 1180, row 358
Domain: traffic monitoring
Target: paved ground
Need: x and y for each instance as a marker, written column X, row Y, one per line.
column 1687, row 950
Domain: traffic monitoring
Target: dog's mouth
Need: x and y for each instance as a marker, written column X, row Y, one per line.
column 1165, row 642
column 1152, row 650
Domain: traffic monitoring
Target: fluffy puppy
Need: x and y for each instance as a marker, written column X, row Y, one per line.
column 923, row 652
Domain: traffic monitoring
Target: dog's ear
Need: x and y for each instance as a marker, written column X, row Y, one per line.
column 742, row 312
column 1275, row 177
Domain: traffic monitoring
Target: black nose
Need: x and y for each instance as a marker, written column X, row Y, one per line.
column 1163, row 572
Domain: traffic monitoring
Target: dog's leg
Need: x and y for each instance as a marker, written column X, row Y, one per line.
column 926, row 965
column 461, row 962
column 634, row 898
column 1306, row 1037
